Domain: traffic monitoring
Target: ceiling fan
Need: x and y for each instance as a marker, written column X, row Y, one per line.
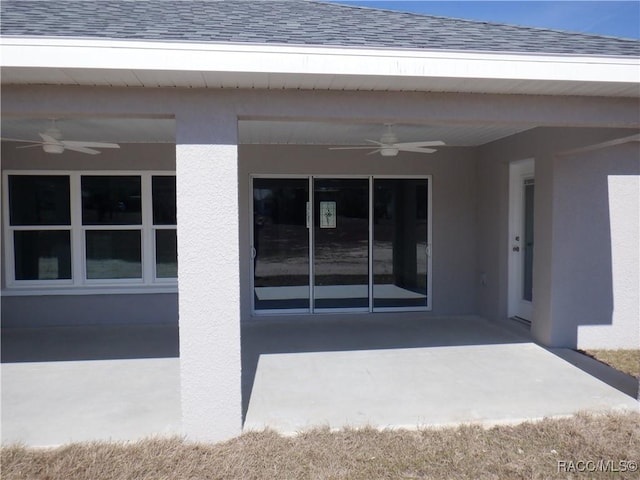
column 52, row 142
column 388, row 146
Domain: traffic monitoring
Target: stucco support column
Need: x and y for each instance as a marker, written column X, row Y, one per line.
column 585, row 264
column 555, row 304
column 208, row 274
column 542, row 323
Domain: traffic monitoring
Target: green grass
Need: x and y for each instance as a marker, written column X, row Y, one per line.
column 526, row 451
column 627, row 361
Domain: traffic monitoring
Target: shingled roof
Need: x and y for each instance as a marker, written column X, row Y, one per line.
column 292, row 22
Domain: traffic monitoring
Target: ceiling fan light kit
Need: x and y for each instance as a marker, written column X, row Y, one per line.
column 388, row 152
column 53, row 148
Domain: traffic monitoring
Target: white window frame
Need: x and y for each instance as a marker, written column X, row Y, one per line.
column 79, row 283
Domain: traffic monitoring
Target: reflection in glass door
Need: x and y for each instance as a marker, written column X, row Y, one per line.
column 280, row 244
column 341, row 243
column 400, row 243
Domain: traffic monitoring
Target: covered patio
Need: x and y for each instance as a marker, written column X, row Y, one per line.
column 386, row 372
column 233, row 184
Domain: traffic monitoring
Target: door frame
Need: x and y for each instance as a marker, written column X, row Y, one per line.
column 519, row 172
column 310, row 219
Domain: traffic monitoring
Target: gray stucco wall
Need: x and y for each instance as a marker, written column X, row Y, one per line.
column 453, row 174
column 453, row 171
column 66, row 310
column 454, row 224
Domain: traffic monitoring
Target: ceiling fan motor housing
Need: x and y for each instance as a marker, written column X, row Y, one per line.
column 388, row 138
column 53, row 147
column 53, row 132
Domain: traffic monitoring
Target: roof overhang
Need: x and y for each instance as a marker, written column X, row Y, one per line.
column 70, row 61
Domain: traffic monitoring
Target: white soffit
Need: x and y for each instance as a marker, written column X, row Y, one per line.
column 157, row 64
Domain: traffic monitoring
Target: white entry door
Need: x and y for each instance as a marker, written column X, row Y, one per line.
column 521, row 225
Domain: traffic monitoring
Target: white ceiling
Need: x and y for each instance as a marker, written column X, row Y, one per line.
column 136, row 130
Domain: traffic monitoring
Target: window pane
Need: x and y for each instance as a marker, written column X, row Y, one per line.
column 42, row 255
column 39, row 200
column 114, row 254
column 166, row 254
column 111, row 200
column 164, row 200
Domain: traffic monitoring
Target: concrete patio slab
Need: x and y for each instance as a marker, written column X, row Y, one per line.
column 52, row 403
column 415, row 387
column 61, row 385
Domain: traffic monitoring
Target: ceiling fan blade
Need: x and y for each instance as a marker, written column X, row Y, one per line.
column 434, row 143
column 30, row 146
column 415, row 149
column 351, row 148
column 19, row 140
column 376, row 142
column 80, row 144
column 373, row 152
column 90, row 151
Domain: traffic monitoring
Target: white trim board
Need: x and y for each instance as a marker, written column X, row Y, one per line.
column 148, row 63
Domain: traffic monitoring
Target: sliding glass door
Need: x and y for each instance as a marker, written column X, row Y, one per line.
column 340, row 244
column 280, row 244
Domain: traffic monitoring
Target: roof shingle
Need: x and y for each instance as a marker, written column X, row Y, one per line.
column 293, row 22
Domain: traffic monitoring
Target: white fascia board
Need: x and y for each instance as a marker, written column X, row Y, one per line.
column 59, row 53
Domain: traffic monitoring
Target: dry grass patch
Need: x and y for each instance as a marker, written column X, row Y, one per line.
column 526, row 451
column 627, row 361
